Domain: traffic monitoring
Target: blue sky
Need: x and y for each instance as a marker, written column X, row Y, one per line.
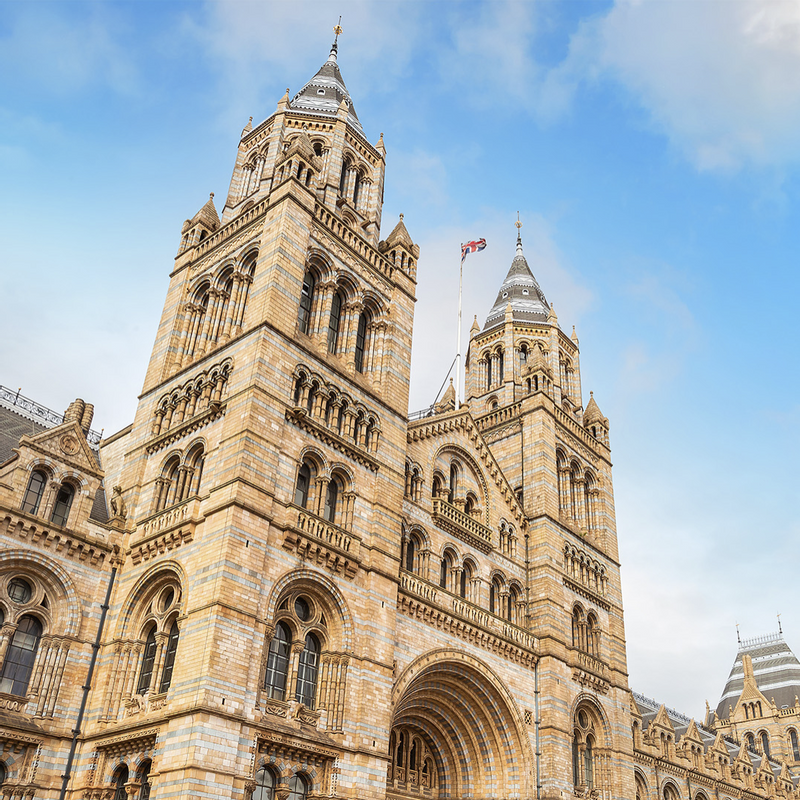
column 652, row 149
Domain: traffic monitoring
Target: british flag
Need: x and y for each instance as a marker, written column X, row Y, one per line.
column 472, row 247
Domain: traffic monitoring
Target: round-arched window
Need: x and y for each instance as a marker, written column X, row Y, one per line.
column 19, row 590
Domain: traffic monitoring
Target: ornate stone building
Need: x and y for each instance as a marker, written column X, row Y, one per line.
column 314, row 594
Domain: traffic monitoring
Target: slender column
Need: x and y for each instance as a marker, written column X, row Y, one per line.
column 158, row 662
column 322, row 491
column 233, row 306
column 112, row 680
column 55, row 684
column 291, row 688
column 158, row 420
column 248, row 279
column 134, row 667
column 349, row 503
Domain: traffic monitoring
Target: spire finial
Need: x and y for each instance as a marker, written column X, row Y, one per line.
column 780, row 629
column 211, row 197
column 518, row 225
column 337, row 29
column 738, row 637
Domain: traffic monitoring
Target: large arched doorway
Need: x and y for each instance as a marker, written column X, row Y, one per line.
column 456, row 733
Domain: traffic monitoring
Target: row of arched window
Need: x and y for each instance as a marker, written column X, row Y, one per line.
column 329, row 406
column 584, row 569
column 327, row 493
column 349, row 324
column 215, row 312
column 180, row 477
column 585, row 631
column 461, row 577
column 58, row 504
column 267, row 783
column 195, row 396
column 588, row 754
column 578, row 493
column 411, row 761
column 491, row 368
column 139, row 784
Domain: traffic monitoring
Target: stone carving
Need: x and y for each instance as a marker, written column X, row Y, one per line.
column 118, row 508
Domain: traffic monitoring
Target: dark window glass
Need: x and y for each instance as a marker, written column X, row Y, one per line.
column 443, row 572
column 306, row 299
column 303, row 482
column 331, row 497
column 463, row 587
column 307, row 669
column 795, row 750
column 120, row 779
column 302, row 609
column 765, row 744
column 335, row 320
column 265, row 785
column 500, row 367
column 3, row 773
column 143, row 778
column 34, row 492
column 356, row 187
column 492, row 596
column 343, row 177
column 298, row 788
column 278, row 662
column 451, row 495
column 576, row 772
column 169, row 657
column 62, row 505
column 411, row 547
column 19, row 590
column 588, row 763
column 21, row 654
column 361, row 338
column 148, row 662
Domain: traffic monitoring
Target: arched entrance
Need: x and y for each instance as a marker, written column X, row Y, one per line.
column 456, row 733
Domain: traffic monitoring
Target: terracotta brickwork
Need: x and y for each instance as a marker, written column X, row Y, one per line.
column 314, row 596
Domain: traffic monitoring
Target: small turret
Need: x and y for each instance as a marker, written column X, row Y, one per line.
column 400, row 249
column 200, row 226
column 595, row 422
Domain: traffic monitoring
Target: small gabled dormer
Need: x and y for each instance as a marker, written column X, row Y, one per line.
column 200, row 226
column 299, row 160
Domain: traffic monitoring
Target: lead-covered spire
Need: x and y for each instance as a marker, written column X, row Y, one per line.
column 324, row 93
column 520, row 291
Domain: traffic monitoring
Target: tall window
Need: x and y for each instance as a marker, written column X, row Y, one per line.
column 452, row 493
column 361, row 340
column 169, row 657
column 334, row 323
column 265, row 785
column 303, row 482
column 278, row 663
column 750, row 742
column 306, row 299
column 148, row 662
column 331, row 499
column 62, row 505
column 445, row 570
column 795, row 749
column 494, row 595
column 343, row 178
column 500, row 366
column 356, row 187
column 307, row 669
column 411, row 553
column 298, row 788
column 119, row 780
column 20, row 655
column 765, row 743
column 34, row 492
column 143, row 778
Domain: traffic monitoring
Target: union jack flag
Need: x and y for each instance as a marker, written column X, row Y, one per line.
column 472, row 247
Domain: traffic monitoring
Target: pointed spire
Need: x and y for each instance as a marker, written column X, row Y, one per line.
column 519, row 291
column 475, row 329
column 207, row 215
column 247, row 128
column 574, row 336
column 381, row 145
column 325, row 94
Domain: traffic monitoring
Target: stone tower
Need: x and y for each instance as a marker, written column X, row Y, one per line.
column 254, row 624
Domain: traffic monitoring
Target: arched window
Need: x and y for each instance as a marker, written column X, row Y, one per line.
column 411, row 553
column 488, row 372
column 436, row 486
column 444, row 572
column 470, row 503
column 265, row 785
column 511, row 611
column 588, row 762
column 194, row 464
column 307, row 669
column 750, row 742
column 335, row 322
column 331, row 500
column 466, row 578
column 306, row 300
column 356, row 187
column 343, row 178
column 591, row 635
column 62, row 505
column 169, row 657
column 148, row 662
column 494, row 596
column 20, row 655
column 361, row 341
column 765, row 743
column 298, row 788
column 167, row 487
column 577, row 628
column 143, row 778
column 500, row 369
column 795, row 749
column 303, row 483
column 452, row 493
column 583, row 749
column 34, row 492
column 118, row 781
column 278, row 662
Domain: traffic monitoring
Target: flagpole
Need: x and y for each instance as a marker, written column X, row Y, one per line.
column 458, row 336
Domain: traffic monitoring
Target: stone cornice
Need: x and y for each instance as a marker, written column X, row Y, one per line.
column 213, row 412
column 580, row 589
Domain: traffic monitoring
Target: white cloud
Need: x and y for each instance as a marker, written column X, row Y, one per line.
column 719, row 78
